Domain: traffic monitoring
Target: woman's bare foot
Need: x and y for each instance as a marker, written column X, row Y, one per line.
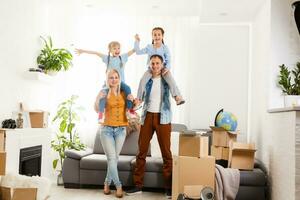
column 106, row 189
column 119, row 192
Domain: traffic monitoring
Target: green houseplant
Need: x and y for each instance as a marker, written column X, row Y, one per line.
column 54, row 59
column 66, row 137
column 289, row 82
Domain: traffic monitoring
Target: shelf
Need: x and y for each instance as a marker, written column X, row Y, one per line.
column 38, row 76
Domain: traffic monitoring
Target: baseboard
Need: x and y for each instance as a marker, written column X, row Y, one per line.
column 71, row 185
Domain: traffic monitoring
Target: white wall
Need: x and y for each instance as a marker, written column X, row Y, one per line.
column 22, row 22
column 274, row 42
column 285, row 48
column 219, row 74
column 218, row 78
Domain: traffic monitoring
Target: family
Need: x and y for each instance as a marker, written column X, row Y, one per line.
column 116, row 105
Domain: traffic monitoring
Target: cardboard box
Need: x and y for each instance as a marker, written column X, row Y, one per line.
column 18, row 193
column 2, row 140
column 220, row 153
column 221, row 137
column 241, row 155
column 192, row 171
column 193, row 145
column 2, row 163
column 38, row 119
column 192, row 191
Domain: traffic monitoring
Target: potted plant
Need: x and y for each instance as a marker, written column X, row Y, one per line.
column 54, row 59
column 66, row 137
column 289, row 82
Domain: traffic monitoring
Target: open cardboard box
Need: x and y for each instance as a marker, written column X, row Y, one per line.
column 192, row 171
column 38, row 119
column 241, row 155
column 221, row 137
column 193, row 145
column 8, row 193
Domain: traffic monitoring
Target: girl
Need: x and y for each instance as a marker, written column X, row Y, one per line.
column 157, row 47
column 114, row 60
column 113, row 130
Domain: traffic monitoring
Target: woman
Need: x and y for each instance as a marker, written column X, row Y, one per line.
column 113, row 130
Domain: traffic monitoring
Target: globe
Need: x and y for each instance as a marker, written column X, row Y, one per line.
column 226, row 120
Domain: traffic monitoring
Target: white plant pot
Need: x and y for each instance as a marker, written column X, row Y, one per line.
column 52, row 73
column 291, row 100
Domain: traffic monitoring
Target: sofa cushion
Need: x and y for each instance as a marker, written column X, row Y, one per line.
column 99, row 162
column 97, row 145
column 256, row 177
column 130, row 146
column 153, row 164
column 71, row 153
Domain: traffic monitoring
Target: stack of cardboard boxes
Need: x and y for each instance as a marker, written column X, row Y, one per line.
column 225, row 148
column 9, row 193
column 193, row 168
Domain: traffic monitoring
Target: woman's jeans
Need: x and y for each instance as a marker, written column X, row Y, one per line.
column 112, row 140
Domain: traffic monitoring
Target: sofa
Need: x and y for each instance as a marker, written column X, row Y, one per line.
column 88, row 169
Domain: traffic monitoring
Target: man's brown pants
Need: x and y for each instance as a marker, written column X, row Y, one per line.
column 163, row 132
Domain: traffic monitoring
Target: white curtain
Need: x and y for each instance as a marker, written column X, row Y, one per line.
column 94, row 32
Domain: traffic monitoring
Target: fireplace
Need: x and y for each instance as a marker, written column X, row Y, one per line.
column 30, row 161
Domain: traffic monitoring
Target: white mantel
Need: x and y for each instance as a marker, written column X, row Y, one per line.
column 285, row 159
column 17, row 139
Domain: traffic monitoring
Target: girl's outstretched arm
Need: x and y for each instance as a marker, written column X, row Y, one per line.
column 137, row 46
column 81, row 51
column 129, row 53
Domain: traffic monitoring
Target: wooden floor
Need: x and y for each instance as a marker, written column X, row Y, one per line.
column 60, row 193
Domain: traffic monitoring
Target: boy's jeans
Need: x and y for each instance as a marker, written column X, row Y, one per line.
column 112, row 140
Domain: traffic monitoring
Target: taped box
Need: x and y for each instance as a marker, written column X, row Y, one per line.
column 8, row 193
column 221, row 137
column 193, row 145
column 220, row 153
column 38, row 119
column 241, row 155
column 192, row 171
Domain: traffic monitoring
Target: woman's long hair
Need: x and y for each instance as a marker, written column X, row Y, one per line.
column 108, row 73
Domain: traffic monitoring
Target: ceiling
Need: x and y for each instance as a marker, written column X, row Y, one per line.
column 208, row 11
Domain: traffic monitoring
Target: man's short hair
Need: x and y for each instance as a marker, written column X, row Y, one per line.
column 157, row 56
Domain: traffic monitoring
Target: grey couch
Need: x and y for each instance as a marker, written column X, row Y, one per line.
column 88, row 168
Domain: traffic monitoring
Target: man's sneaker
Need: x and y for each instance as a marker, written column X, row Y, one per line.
column 169, row 193
column 134, row 191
